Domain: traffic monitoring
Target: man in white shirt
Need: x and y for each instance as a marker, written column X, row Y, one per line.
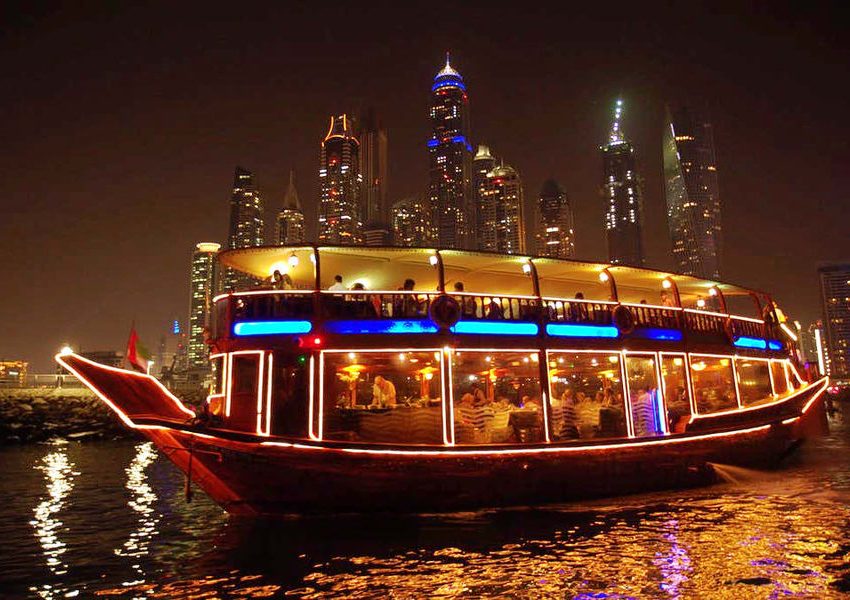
column 337, row 284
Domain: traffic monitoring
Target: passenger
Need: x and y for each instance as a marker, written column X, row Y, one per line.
column 578, row 310
column 410, row 304
column 467, row 303
column 365, row 306
column 383, row 393
column 282, row 282
column 568, row 428
column 275, row 280
column 494, row 310
column 643, row 414
column 337, row 284
column 667, row 298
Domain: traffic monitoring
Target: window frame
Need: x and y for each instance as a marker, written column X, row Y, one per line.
column 731, row 358
column 659, row 381
column 688, row 385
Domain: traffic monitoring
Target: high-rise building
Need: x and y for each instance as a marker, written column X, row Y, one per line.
column 290, row 219
column 450, row 160
column 246, row 225
column 693, row 200
column 172, row 353
column 203, row 285
column 554, row 223
column 483, row 163
column 621, row 194
column 502, row 202
column 340, row 218
column 835, row 295
column 373, row 169
column 411, row 222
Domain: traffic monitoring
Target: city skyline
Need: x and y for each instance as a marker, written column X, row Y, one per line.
column 544, row 111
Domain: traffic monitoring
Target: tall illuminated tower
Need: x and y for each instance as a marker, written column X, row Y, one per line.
column 411, row 222
column 693, row 199
column 202, row 285
column 503, row 227
column 835, row 296
column 373, row 169
column 483, row 163
column 554, row 234
column 290, row 219
column 450, row 160
column 246, row 225
column 622, row 198
column 340, row 217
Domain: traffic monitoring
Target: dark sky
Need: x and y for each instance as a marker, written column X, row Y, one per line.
column 121, row 128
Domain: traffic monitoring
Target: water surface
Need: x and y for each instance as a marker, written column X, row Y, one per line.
column 109, row 519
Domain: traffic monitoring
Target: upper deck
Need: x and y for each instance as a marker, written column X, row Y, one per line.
column 561, row 303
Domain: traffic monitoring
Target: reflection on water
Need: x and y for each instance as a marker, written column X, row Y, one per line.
column 59, row 477
column 110, row 520
column 142, row 503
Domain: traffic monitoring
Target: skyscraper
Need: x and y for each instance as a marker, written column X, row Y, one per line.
column 483, row 163
column 554, row 223
column 503, row 227
column 621, row 194
column 693, row 200
column 202, row 284
column 411, row 222
column 290, row 219
column 450, row 159
column 246, row 225
column 373, row 168
column 340, row 218
column 835, row 295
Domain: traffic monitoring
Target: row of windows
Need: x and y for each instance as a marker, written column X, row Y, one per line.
column 496, row 395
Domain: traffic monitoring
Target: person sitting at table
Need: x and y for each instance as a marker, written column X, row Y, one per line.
column 643, row 414
column 383, row 393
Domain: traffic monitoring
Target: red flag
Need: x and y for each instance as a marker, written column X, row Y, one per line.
column 137, row 355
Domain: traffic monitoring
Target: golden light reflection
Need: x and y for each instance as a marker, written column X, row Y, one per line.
column 59, row 476
column 142, row 502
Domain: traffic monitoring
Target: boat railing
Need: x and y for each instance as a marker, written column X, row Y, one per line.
column 264, row 305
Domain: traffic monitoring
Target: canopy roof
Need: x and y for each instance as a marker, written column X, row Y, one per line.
column 386, row 268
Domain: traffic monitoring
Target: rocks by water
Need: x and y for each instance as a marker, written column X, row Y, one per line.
column 39, row 414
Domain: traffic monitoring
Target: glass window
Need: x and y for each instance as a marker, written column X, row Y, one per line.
column 383, row 397
column 676, row 393
column 217, row 366
column 244, row 382
column 780, row 384
column 753, row 381
column 290, row 386
column 714, row 386
column 497, row 397
column 644, row 396
column 587, row 395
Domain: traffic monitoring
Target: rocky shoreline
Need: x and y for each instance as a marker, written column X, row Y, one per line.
column 37, row 415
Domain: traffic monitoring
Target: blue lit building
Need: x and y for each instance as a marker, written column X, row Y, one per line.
column 450, row 153
column 621, row 196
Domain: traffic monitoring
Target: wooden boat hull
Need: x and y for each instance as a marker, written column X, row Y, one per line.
column 247, row 474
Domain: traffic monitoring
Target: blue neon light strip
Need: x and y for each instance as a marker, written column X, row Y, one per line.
column 271, row 327
column 750, row 342
column 661, row 334
column 381, row 326
column 433, row 143
column 774, row 345
column 495, row 328
column 588, row 331
column 444, row 83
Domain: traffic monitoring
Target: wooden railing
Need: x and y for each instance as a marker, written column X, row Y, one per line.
column 364, row 304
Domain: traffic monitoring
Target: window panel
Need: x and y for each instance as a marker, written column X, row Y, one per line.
column 644, row 396
column 780, row 384
column 383, row 397
column 713, row 382
column 587, row 395
column 497, row 397
column 676, row 395
column 753, row 381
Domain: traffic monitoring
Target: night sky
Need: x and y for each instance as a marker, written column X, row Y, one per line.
column 121, row 128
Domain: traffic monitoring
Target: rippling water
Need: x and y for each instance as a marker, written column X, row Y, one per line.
column 110, row 520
